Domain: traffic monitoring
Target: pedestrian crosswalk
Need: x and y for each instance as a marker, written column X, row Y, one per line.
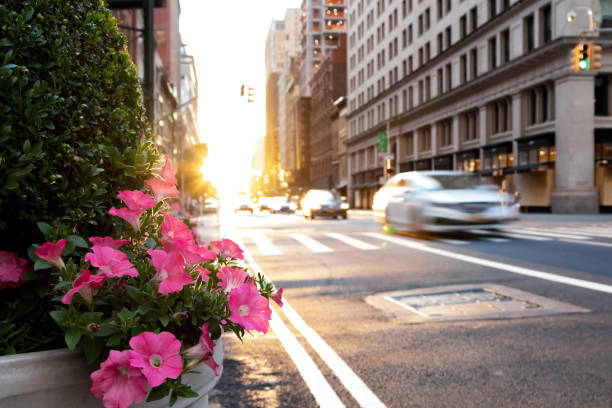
column 271, row 243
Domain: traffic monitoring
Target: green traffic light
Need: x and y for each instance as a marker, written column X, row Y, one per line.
column 583, row 64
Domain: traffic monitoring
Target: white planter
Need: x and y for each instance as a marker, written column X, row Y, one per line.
column 60, row 379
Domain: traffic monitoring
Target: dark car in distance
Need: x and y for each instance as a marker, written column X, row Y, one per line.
column 318, row 203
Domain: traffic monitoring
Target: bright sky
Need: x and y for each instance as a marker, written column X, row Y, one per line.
column 227, row 40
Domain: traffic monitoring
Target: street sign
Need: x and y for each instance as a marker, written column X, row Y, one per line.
column 382, row 142
column 385, row 155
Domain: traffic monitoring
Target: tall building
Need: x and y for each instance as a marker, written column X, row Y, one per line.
column 484, row 87
column 322, row 23
column 327, row 84
column 282, row 43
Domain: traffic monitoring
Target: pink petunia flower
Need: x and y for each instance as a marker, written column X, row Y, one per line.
column 111, row 262
column 227, row 248
column 170, row 270
column 108, row 242
column 167, row 172
column 192, row 253
column 136, row 200
column 158, row 355
column 203, row 351
column 51, row 252
column 278, row 297
column 118, row 382
column 174, row 229
column 12, row 269
column 131, row 216
column 202, row 273
column 175, row 207
column 231, row 278
column 85, row 285
column 162, row 189
column 249, row 309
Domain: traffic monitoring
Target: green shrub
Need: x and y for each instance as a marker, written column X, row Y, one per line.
column 73, row 129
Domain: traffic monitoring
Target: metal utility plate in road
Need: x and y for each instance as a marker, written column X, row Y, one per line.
column 467, row 302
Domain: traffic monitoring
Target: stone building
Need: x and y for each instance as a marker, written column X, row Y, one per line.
column 484, row 87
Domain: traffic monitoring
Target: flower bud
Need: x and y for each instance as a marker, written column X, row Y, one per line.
column 180, row 316
column 93, row 327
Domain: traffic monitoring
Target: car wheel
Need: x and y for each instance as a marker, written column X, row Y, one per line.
column 312, row 216
column 344, row 216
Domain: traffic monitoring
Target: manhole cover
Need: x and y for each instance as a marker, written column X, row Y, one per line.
column 467, row 302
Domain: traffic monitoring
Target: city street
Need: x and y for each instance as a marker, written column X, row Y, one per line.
column 340, row 342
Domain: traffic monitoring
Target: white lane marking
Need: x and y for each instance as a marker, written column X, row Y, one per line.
column 453, row 241
column 322, row 391
column 358, row 389
column 266, row 247
column 352, row 241
column 313, row 245
column 497, row 265
column 573, row 241
column 589, row 232
column 547, row 233
column 495, row 239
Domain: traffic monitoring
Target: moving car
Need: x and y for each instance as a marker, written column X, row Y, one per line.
column 441, row 201
column 323, row 203
column 264, row 203
column 242, row 202
column 281, row 204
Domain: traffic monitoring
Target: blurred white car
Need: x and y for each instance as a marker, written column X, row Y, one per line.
column 281, row 204
column 441, row 201
column 323, row 203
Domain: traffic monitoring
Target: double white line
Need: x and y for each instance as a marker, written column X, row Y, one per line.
column 322, row 391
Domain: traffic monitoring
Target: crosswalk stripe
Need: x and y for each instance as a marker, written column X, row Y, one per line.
column 352, row 241
column 266, row 247
column 521, row 236
column 495, row 239
column 588, row 232
column 454, row 241
column 534, row 231
column 314, row 246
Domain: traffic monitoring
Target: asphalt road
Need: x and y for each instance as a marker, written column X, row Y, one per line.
column 342, row 351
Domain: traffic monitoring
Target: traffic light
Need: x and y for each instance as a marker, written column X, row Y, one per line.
column 242, row 90
column 250, row 96
column 595, row 56
column 580, row 57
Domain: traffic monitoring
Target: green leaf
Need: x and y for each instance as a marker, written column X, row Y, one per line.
column 114, row 340
column 40, row 264
column 188, row 393
column 158, row 392
column 92, row 349
column 45, row 228
column 77, row 241
column 60, row 317
column 164, row 319
column 72, row 337
column 107, row 329
column 173, row 398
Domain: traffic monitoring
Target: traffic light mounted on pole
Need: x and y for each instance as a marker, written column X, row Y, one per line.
column 250, row 96
column 586, row 56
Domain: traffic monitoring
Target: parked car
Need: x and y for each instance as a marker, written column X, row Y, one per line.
column 323, row 203
column 242, row 202
column 211, row 205
column 281, row 204
column 441, row 201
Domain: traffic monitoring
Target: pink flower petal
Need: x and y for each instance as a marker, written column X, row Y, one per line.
column 111, row 262
column 167, row 172
column 231, row 278
column 170, row 270
column 85, row 285
column 12, row 269
column 249, row 309
column 51, row 252
column 131, row 216
column 118, row 382
column 162, row 189
column 227, row 248
column 136, row 200
column 108, row 242
column 158, row 355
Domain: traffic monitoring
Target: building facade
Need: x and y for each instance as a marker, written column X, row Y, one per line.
column 484, row 87
column 327, row 84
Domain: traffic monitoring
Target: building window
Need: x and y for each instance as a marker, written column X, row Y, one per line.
column 410, row 34
column 497, row 158
column 445, row 132
column 448, row 6
column 463, row 69
column 492, row 9
column 404, row 39
column 544, row 103
column 427, row 19
column 492, row 53
column 528, row 34
column 505, row 45
column 449, row 39
column 421, row 93
column 546, row 24
column 501, row 116
column 410, row 65
column 463, row 26
column 424, row 139
column 410, row 98
column 506, row 4
column 440, row 10
column 421, row 57
column 533, row 107
column 474, row 18
column 601, row 95
column 449, row 82
column 474, row 62
column 427, row 52
column 427, row 88
column 536, row 153
column 469, row 125
column 440, row 43
column 420, row 25
column 404, row 100
column 440, row 81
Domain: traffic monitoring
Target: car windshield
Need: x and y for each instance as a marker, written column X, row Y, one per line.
column 449, row 182
column 322, row 195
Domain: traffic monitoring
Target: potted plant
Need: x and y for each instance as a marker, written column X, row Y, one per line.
column 115, row 275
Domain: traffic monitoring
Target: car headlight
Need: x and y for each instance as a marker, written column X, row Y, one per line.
column 344, row 206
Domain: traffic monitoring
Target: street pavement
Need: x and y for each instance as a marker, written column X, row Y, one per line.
column 329, row 347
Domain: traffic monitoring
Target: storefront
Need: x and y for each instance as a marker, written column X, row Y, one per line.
column 603, row 166
column 535, row 168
